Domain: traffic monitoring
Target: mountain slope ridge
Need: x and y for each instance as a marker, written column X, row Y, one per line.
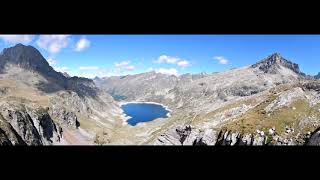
column 27, row 79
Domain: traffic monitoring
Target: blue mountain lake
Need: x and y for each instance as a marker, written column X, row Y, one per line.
column 143, row 112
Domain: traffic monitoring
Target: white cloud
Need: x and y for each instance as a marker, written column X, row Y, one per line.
column 82, row 44
column 124, row 65
column 150, row 69
column 129, row 68
column 172, row 60
column 183, row 63
column 91, row 72
column 53, row 43
column 88, row 68
column 51, row 61
column 221, row 59
column 14, row 39
column 88, row 74
column 167, row 59
column 170, row 71
column 61, row 69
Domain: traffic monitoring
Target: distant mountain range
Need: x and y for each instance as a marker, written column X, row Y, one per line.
column 268, row 103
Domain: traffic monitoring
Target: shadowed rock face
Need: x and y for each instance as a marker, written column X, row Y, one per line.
column 314, row 139
column 8, row 135
column 312, row 85
column 21, row 125
column 4, row 140
column 24, row 56
column 317, row 76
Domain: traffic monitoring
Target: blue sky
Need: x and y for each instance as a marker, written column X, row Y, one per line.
column 107, row 55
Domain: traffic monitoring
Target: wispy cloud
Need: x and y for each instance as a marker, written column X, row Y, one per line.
column 124, row 65
column 129, row 68
column 88, row 68
column 61, row 69
column 121, row 64
column 167, row 59
column 82, row 44
column 183, row 63
column 221, row 59
column 119, row 68
column 172, row 60
column 53, row 43
column 92, row 71
column 150, row 69
column 170, row 71
column 51, row 61
column 14, row 39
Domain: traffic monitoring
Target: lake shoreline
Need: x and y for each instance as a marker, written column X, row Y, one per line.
column 126, row 117
column 146, row 102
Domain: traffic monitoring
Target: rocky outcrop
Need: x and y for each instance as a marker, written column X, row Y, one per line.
column 4, row 91
column 27, row 125
column 4, row 139
column 239, row 90
column 8, row 135
column 47, row 129
column 183, row 133
column 64, row 117
column 314, row 139
column 312, row 85
column 187, row 136
column 260, row 138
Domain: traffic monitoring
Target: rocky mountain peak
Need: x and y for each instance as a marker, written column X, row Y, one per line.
column 20, row 50
column 26, row 57
column 30, row 59
column 96, row 78
column 276, row 56
column 274, row 62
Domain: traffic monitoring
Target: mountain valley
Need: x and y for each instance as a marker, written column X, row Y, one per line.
column 268, row 103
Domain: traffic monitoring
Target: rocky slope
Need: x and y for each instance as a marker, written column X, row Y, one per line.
column 22, row 124
column 147, row 86
column 39, row 104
